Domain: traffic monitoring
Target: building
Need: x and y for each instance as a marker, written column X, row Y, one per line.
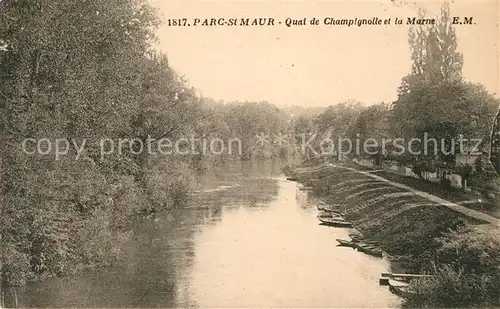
column 468, row 158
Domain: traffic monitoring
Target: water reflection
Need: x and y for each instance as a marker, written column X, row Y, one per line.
column 281, row 257
column 243, row 241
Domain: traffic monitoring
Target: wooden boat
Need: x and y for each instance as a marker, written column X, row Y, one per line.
column 329, row 214
column 366, row 247
column 399, row 283
column 365, row 242
column 405, row 277
column 370, row 250
column 325, row 208
column 305, row 188
column 335, row 222
column 400, row 288
column 291, row 178
column 324, row 214
column 346, row 243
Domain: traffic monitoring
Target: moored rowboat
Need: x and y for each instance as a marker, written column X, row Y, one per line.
column 330, row 215
column 346, row 243
column 371, row 250
column 305, row 188
column 324, row 214
column 399, row 288
column 335, row 222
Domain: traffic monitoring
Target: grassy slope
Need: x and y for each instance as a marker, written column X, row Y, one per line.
column 399, row 230
column 489, row 207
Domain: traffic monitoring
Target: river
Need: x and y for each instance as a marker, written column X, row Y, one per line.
column 247, row 238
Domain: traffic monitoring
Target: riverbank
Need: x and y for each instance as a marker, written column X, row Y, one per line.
column 483, row 204
column 422, row 234
column 254, row 243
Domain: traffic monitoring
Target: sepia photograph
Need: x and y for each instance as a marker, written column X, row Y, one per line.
column 249, row 154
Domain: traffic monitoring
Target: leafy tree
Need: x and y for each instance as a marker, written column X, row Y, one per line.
column 372, row 122
column 434, row 99
column 79, row 70
column 340, row 117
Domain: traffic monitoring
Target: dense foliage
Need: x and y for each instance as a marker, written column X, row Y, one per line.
column 84, row 71
column 465, row 270
column 434, row 104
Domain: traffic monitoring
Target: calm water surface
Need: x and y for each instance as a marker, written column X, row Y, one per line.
column 248, row 238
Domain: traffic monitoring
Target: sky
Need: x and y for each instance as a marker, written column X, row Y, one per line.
column 315, row 65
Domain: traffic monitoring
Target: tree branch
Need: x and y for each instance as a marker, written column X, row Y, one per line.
column 162, row 136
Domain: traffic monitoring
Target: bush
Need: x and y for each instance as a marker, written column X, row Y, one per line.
column 445, row 183
column 168, row 185
column 419, row 168
column 288, row 170
column 15, row 266
column 126, row 199
column 453, row 288
column 476, row 251
column 99, row 244
column 466, row 272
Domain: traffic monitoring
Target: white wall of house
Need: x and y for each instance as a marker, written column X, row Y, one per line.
column 466, row 159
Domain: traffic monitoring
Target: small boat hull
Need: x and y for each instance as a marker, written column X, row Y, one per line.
column 330, row 215
column 324, row 214
column 400, row 289
column 371, row 250
column 346, row 243
column 331, row 208
column 334, row 212
column 306, row 188
column 335, row 222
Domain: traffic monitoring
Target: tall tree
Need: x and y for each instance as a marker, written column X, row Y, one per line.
column 444, row 61
column 417, row 39
column 76, row 70
column 433, row 98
